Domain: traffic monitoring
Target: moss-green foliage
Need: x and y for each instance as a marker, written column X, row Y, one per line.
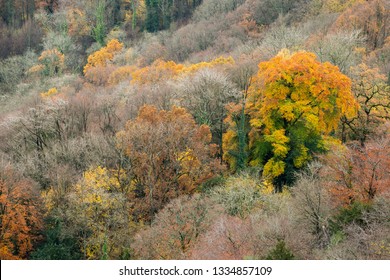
column 209, row 185
column 99, row 31
column 353, row 214
column 56, row 246
column 280, row 252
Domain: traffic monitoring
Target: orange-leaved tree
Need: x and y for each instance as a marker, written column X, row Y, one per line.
column 294, row 101
column 103, row 56
column 20, row 215
column 358, row 174
column 170, row 155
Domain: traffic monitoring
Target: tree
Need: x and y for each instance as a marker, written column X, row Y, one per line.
column 312, row 202
column 161, row 71
column 160, row 13
column 205, row 94
column 373, row 95
column 293, row 103
column 20, row 215
column 169, row 156
column 56, row 246
column 16, row 12
column 358, row 174
column 152, row 15
column 239, row 196
column 175, row 229
column 97, row 214
column 340, row 48
column 52, row 62
column 135, row 13
column 99, row 31
column 234, row 140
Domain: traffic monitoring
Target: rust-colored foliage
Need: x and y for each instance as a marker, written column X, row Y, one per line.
column 170, row 155
column 77, row 22
column 358, row 173
column 372, row 17
column 20, row 216
column 158, row 71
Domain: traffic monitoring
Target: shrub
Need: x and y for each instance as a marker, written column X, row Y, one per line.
column 13, row 70
column 239, row 196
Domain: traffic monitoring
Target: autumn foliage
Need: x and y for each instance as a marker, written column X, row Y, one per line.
column 20, row 215
column 293, row 101
column 369, row 16
column 170, row 156
column 196, row 129
column 358, row 174
column 164, row 70
column 103, row 56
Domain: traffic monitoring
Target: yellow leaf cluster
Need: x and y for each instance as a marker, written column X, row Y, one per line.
column 104, row 55
column 274, row 168
column 267, row 188
column 216, row 62
column 302, row 157
column 279, row 141
column 36, row 69
column 49, row 93
column 293, row 92
column 296, row 86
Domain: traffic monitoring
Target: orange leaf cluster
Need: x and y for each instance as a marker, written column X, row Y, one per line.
column 20, row 216
column 358, row 174
column 104, row 55
column 164, row 70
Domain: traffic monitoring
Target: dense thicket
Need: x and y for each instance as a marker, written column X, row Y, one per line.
column 165, row 129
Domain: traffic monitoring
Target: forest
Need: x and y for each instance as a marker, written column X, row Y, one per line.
column 195, row 129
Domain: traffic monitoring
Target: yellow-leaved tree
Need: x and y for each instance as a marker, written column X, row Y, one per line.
column 293, row 104
column 98, row 215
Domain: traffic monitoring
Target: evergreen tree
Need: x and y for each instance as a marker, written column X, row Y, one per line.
column 152, row 15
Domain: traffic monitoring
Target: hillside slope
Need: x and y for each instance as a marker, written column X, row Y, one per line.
column 165, row 129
